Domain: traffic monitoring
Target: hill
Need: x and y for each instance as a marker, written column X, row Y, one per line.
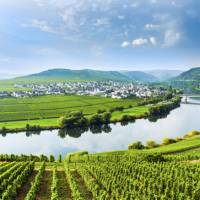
column 139, row 76
column 190, row 75
column 87, row 75
column 165, row 74
column 132, row 174
column 189, row 81
column 74, row 75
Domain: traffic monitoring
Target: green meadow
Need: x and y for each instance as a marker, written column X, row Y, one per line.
column 45, row 110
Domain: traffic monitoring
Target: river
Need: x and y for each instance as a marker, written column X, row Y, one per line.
column 117, row 137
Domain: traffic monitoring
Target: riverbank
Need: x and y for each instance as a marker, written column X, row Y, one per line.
column 189, row 144
column 120, row 115
column 51, row 124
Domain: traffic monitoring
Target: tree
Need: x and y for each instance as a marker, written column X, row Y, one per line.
column 151, row 144
column 167, row 141
column 106, row 117
column 101, row 111
column 96, row 120
column 136, row 145
column 51, row 158
column 60, row 158
column 73, row 120
column 61, row 121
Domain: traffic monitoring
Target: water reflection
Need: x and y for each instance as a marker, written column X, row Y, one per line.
column 106, row 138
column 73, row 132
column 77, row 132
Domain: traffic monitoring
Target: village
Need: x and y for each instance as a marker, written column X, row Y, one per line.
column 102, row 88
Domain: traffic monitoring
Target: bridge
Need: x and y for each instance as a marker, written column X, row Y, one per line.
column 188, row 100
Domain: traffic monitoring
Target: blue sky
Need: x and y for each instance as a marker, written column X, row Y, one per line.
column 101, row 34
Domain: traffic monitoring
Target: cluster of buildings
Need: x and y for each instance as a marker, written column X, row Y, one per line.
column 102, row 88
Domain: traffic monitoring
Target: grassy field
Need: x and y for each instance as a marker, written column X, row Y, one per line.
column 45, row 110
column 23, row 123
column 136, row 112
column 182, row 146
column 8, row 86
column 187, row 145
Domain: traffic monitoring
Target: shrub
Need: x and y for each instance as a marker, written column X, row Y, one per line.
column 51, row 158
column 60, row 158
column 73, row 120
column 101, row 111
column 127, row 118
column 136, row 145
column 167, row 141
column 192, row 133
column 178, row 139
column 151, row 144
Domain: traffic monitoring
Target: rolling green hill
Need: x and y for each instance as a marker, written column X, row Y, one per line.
column 86, row 75
column 164, row 74
column 190, row 75
column 75, row 75
column 189, row 81
column 140, row 76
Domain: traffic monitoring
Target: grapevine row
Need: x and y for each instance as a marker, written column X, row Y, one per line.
column 36, row 183
column 54, row 185
column 13, row 187
column 73, row 184
column 129, row 179
column 98, row 191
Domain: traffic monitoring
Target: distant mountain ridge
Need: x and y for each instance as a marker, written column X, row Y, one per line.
column 85, row 74
column 192, row 75
column 164, row 74
column 188, row 81
column 88, row 75
column 140, row 76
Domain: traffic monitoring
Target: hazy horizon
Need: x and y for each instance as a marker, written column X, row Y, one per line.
column 9, row 75
column 37, row 35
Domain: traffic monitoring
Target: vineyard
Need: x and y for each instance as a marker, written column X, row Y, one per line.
column 83, row 176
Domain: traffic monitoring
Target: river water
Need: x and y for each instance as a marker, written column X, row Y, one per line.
column 116, row 137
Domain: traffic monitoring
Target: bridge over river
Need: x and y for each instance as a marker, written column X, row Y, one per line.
column 194, row 100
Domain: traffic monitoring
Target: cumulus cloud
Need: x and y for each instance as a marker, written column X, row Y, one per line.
column 171, row 37
column 139, row 42
column 153, row 41
column 125, row 44
column 152, row 26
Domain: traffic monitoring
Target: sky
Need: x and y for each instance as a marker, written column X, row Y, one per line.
column 36, row 35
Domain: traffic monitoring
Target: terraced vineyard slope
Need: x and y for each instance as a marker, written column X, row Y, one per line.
column 137, row 175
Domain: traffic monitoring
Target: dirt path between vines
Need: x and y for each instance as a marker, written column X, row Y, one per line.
column 26, row 187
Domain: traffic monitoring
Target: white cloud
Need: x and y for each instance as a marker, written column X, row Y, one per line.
column 102, row 22
column 153, row 41
column 173, row 3
column 40, row 3
column 42, row 25
column 140, row 42
column 121, row 17
column 152, row 26
column 171, row 37
column 125, row 44
column 153, row 1
column 135, row 5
